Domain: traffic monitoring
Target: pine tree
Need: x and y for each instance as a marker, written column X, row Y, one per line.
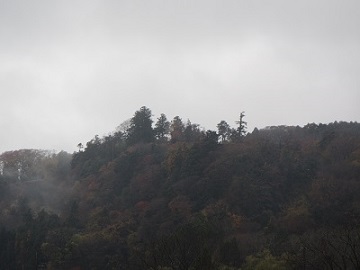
column 140, row 130
column 162, row 127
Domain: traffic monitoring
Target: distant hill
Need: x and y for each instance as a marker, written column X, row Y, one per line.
column 169, row 195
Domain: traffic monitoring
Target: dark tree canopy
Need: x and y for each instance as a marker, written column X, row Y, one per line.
column 236, row 135
column 162, row 127
column 281, row 197
column 141, row 130
column 224, row 130
column 192, row 132
column 242, row 125
column 177, row 129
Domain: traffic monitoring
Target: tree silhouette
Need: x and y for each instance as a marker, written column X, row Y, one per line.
column 177, row 129
column 223, row 130
column 242, row 125
column 141, row 127
column 162, row 127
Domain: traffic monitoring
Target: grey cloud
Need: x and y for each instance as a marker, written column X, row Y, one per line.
column 73, row 69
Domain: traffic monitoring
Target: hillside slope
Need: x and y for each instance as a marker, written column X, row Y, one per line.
column 277, row 198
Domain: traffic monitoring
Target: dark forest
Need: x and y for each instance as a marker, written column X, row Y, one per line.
column 169, row 195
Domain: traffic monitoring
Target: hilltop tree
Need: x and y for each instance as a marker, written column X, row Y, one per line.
column 242, row 125
column 177, row 129
column 80, row 146
column 140, row 129
column 224, row 130
column 192, row 132
column 162, row 127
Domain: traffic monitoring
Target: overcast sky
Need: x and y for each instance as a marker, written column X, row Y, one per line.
column 72, row 69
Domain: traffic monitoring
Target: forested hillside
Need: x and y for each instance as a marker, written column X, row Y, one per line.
column 170, row 195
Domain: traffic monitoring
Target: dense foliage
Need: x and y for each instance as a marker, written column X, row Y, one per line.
column 174, row 196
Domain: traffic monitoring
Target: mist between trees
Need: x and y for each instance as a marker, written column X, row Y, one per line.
column 168, row 194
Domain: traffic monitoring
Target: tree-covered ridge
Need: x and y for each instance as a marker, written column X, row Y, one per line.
column 170, row 195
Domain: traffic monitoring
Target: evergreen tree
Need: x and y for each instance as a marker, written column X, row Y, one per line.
column 140, row 129
column 162, row 127
column 237, row 134
column 177, row 129
column 192, row 132
column 242, row 125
